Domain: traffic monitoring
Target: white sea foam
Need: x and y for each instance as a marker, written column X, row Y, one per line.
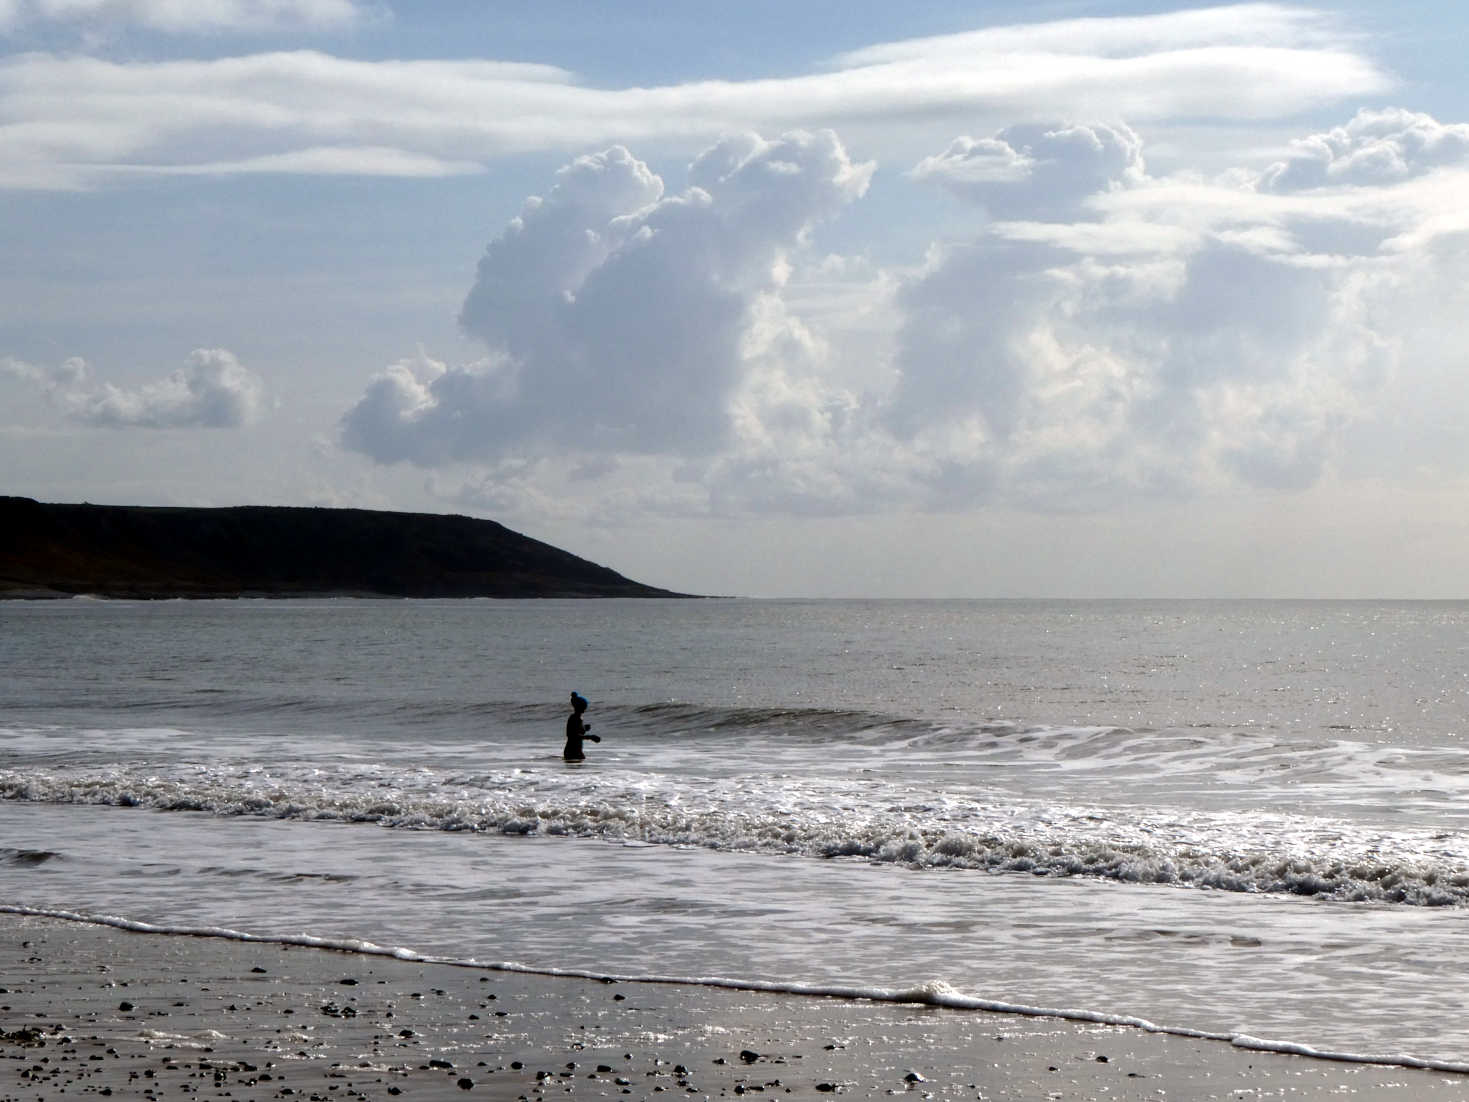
column 812, row 817
column 202, row 1042
column 931, row 993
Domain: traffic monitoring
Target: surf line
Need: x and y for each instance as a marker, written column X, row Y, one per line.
column 935, row 993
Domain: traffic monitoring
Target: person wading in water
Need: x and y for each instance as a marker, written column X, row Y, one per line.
column 576, row 729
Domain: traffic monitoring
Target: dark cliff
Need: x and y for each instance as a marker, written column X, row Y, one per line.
column 138, row 551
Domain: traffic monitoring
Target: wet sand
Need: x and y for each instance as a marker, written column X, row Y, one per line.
column 94, row 1011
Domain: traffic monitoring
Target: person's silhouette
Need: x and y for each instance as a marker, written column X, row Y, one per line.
column 576, row 729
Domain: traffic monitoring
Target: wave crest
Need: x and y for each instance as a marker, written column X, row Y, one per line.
column 827, row 823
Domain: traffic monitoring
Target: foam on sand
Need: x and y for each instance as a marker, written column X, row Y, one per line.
column 934, row 994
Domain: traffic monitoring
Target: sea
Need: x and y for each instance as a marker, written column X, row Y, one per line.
column 1246, row 820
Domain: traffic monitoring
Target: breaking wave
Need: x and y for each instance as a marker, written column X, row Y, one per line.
column 817, row 819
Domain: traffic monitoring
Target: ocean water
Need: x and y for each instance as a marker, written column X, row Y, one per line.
column 1238, row 819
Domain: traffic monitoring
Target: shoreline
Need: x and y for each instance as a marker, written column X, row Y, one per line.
column 97, row 1009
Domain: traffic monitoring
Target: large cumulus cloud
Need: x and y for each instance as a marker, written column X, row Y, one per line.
column 1105, row 335
column 214, row 390
column 1168, row 337
column 619, row 319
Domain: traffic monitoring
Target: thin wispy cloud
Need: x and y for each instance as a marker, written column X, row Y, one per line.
column 188, row 16
column 74, row 121
column 1225, row 25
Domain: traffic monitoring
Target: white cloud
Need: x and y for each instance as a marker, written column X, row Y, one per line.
column 1232, row 61
column 323, row 161
column 620, row 319
column 1376, row 147
column 73, row 121
column 1120, row 36
column 189, row 16
column 1038, row 170
column 1181, row 337
column 213, row 391
column 1130, row 338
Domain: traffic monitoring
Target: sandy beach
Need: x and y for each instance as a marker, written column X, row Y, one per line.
column 93, row 1010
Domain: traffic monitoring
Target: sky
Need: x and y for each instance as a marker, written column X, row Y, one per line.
column 1055, row 298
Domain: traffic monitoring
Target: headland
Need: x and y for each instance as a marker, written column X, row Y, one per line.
column 142, row 552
